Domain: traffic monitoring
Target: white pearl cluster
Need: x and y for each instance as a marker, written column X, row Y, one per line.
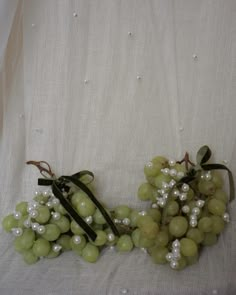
column 195, row 212
column 125, row 221
column 174, row 255
column 206, row 175
column 172, row 172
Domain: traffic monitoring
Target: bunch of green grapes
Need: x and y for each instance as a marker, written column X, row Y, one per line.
column 188, row 215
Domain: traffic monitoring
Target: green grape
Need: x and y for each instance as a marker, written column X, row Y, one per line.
column 178, row 226
column 182, row 262
column 145, row 191
column 64, row 241
column 41, row 247
column 86, row 207
column 29, row 257
column 53, row 254
column 217, row 224
column 150, row 180
column 75, row 228
column 78, row 197
column 159, row 179
column 135, row 237
column 100, row 239
column 152, row 169
column 97, row 227
column 149, row 230
column 90, row 253
column 145, row 243
column 124, row 243
column 9, row 222
column 160, row 160
column 59, row 208
column 43, row 214
column 155, row 214
column 134, row 216
column 158, row 255
column 192, row 259
column 195, row 234
column 21, row 221
column 206, row 187
column 188, row 247
column 190, row 194
column 209, row 239
column 22, row 208
column 191, row 205
column 25, row 241
column 98, row 217
column 108, row 231
column 216, row 207
column 17, row 246
column 205, row 224
column 217, row 179
column 179, row 168
column 172, row 208
column 142, row 220
column 78, row 247
column 220, row 195
column 52, row 232
column 162, row 239
column 122, row 211
column 63, row 223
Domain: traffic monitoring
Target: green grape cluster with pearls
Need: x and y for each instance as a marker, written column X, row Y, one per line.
column 182, row 218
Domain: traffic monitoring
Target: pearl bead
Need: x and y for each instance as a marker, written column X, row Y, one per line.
column 165, row 196
column 161, row 191
column 172, row 162
column 208, row 176
column 200, row 203
column 111, row 248
column 27, row 223
column 17, row 215
column 89, row 219
column 45, row 193
column 41, row 229
column 173, row 172
column 193, row 223
column 111, row 237
column 183, row 197
column 126, row 221
column 49, row 204
column 161, row 203
column 129, row 33
column 176, row 244
column 165, row 171
column 37, row 193
column 226, row 217
column 56, row 248
column 76, row 240
column 34, row 226
column 142, row 213
column 193, row 217
column 149, row 164
column 30, row 208
column 175, row 251
column 116, row 221
column 55, row 202
column 196, row 211
column 124, row 291
column 75, row 14
column 17, row 232
column 35, row 205
column 174, row 264
column 169, row 256
column 195, row 57
column 144, row 250
column 185, row 187
column 56, row 215
column 225, row 162
column 86, row 81
column 175, row 193
column 154, row 206
column 33, row 213
column 165, row 185
column 176, row 255
column 180, row 175
column 172, row 183
column 138, row 78
column 186, row 209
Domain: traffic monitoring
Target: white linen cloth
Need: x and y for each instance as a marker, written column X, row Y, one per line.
column 115, row 123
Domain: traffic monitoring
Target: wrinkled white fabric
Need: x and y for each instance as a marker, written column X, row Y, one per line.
column 115, row 123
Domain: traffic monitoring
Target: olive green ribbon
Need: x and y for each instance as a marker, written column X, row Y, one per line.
column 60, row 185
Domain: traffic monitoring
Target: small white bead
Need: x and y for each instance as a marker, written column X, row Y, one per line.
column 208, row 176
column 162, row 203
column 161, row 191
column 154, row 206
column 33, row 213
column 195, row 57
column 193, row 217
column 27, row 223
column 225, row 162
column 41, row 229
column 183, row 197
column 56, row 215
column 176, row 254
column 165, row 196
column 200, row 203
column 111, row 248
column 175, row 250
column 126, row 221
column 185, row 187
column 142, row 213
column 35, row 205
column 76, row 240
column 130, row 33
column 193, row 222
column 165, row 171
column 17, row 215
column 34, row 226
column 55, row 202
column 111, row 237
column 45, row 193
column 117, row 221
column 180, row 175
column 138, row 77
column 17, row 232
column 186, row 209
column 49, row 204
column 149, row 164
column 172, row 183
column 144, row 250
column 196, row 211
column 89, row 219
column 37, row 193
column 165, row 185
column 75, row 14
column 171, row 162
column 169, row 256
column 56, row 248
column 226, row 217
column 175, row 193
column 86, row 81
column 173, row 172
column 174, row 264
column 124, row 291
column 176, row 244
column 181, row 128
column 30, row 208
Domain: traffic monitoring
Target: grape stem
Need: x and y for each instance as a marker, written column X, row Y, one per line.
column 44, row 171
column 186, row 160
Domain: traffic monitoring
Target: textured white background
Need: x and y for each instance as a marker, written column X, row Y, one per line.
column 115, row 123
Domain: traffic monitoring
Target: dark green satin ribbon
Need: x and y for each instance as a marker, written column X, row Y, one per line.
column 61, row 184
